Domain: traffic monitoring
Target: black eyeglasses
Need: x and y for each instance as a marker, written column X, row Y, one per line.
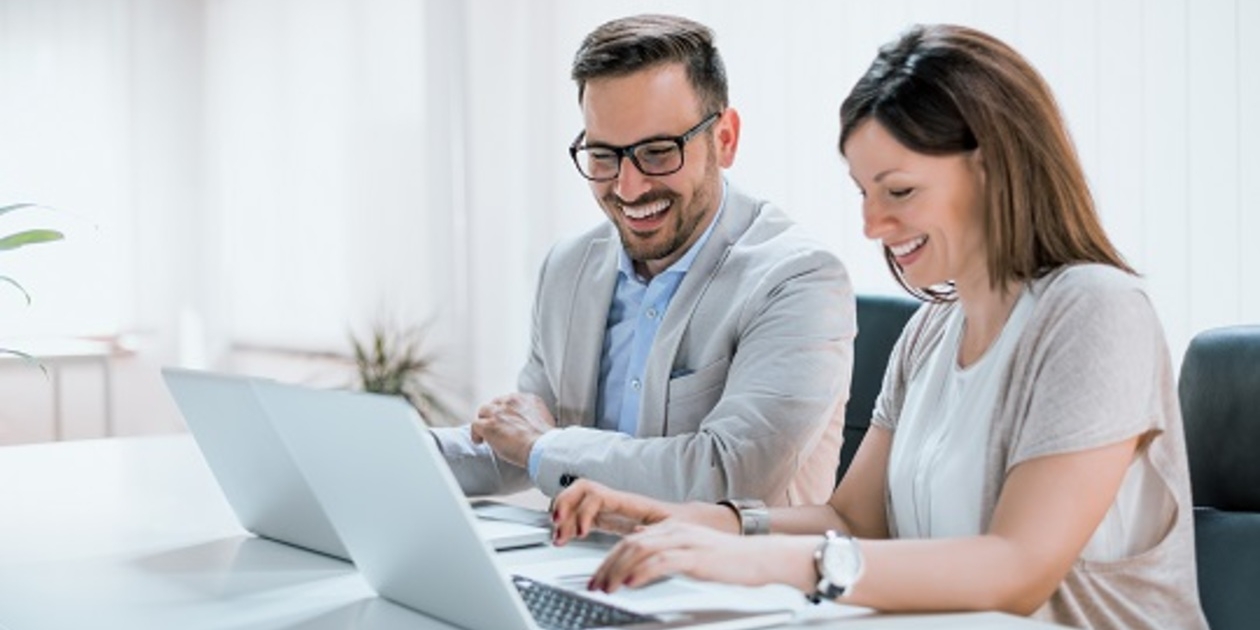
column 654, row 156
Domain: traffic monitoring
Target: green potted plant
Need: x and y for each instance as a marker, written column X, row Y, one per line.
column 22, row 238
column 397, row 361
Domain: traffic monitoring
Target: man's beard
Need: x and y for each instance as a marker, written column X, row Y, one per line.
column 684, row 223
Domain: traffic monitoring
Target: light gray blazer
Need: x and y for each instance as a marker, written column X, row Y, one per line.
column 745, row 384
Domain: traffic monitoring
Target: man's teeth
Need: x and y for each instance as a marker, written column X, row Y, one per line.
column 906, row 248
column 645, row 210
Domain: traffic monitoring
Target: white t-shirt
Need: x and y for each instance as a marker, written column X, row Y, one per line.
column 1090, row 369
column 938, row 461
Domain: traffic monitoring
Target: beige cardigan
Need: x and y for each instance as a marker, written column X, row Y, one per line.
column 1092, row 368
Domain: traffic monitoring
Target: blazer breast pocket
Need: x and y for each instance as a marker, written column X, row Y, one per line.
column 693, row 395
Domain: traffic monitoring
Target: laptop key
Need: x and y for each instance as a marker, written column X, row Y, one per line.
column 557, row 609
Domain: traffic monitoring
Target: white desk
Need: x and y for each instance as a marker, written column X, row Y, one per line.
column 133, row 533
column 54, row 354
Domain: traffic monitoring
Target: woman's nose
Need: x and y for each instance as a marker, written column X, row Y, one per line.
column 875, row 222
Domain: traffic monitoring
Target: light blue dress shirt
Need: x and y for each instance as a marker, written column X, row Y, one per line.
column 634, row 316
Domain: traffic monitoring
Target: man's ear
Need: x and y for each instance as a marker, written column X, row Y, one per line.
column 726, row 135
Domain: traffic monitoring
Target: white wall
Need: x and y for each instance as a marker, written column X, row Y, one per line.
column 1160, row 96
column 276, row 172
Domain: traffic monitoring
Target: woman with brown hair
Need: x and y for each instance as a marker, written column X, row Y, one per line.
column 1026, row 451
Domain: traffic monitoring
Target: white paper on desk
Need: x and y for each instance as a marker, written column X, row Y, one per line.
column 504, row 535
column 831, row 610
column 498, row 511
column 673, row 594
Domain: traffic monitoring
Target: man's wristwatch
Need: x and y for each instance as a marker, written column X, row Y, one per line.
column 754, row 518
column 839, row 565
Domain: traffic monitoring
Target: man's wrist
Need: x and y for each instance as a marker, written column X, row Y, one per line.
column 534, row 458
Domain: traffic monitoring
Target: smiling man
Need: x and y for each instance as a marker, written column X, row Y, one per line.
column 695, row 346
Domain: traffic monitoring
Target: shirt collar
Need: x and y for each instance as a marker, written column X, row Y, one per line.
column 682, row 265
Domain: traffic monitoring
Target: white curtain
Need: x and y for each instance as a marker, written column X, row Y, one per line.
column 66, row 142
column 1160, row 97
column 278, row 172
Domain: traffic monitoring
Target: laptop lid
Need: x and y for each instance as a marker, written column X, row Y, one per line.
column 253, row 467
column 400, row 512
column 384, row 483
column 260, row 480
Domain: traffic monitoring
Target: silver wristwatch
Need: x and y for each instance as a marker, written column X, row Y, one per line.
column 839, row 564
column 754, row 518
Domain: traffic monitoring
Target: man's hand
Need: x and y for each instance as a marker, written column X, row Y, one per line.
column 510, row 424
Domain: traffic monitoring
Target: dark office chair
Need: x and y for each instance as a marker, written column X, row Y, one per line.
column 880, row 319
column 1220, row 404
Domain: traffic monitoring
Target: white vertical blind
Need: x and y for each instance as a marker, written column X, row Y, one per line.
column 1212, row 170
column 1156, row 94
column 1164, row 163
column 1247, row 26
column 65, row 142
column 328, row 168
column 274, row 172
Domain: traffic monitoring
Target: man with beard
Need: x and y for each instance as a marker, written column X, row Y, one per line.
column 697, row 346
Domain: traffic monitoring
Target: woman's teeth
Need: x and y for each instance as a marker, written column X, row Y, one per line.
column 908, row 247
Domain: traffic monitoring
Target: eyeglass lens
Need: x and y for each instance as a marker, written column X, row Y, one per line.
column 652, row 158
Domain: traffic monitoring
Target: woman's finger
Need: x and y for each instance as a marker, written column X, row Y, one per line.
column 564, row 514
column 633, row 551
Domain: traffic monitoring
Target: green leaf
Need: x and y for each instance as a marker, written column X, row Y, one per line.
column 29, row 237
column 14, row 284
column 397, row 360
column 30, row 360
column 17, row 206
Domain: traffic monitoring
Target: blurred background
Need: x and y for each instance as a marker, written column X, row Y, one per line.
column 248, row 185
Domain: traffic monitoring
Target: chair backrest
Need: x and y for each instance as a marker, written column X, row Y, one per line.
column 1219, row 388
column 880, row 319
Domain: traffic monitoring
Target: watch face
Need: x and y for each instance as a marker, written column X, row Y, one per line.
column 840, row 562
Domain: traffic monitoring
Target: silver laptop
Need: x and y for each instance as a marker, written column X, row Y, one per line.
column 400, row 512
column 258, row 477
column 260, row 480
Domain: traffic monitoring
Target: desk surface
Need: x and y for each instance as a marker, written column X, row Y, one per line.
column 134, row 533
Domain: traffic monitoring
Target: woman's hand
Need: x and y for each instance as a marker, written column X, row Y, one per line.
column 586, row 506
column 676, row 548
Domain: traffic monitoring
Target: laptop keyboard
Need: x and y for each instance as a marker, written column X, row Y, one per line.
column 557, row 609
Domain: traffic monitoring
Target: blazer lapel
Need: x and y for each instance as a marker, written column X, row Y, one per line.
column 737, row 216
column 578, row 389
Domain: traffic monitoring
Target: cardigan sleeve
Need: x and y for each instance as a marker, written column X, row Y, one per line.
column 1088, row 374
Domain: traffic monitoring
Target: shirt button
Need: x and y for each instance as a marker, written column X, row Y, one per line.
column 635, row 384
column 651, row 313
